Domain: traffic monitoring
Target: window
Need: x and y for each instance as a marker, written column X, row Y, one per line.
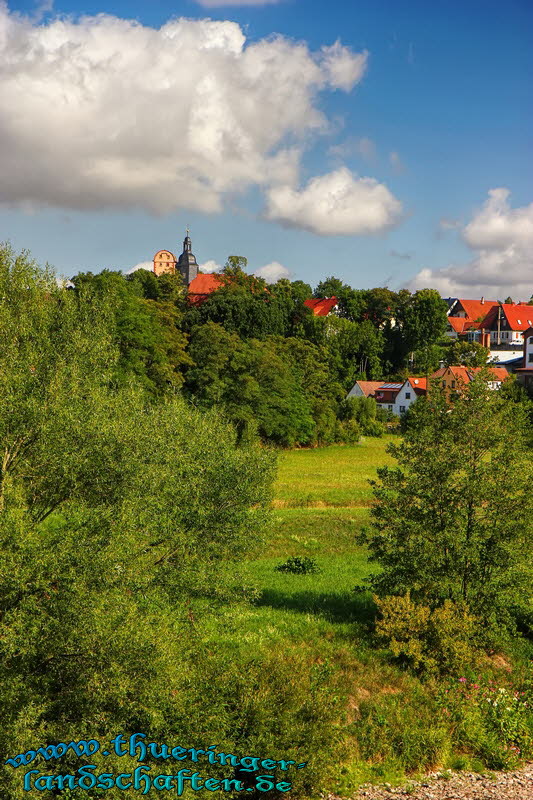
column 530, row 358
column 390, row 408
column 453, row 384
column 408, row 395
column 402, row 409
column 531, row 340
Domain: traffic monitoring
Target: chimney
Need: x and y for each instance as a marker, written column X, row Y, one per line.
column 482, row 301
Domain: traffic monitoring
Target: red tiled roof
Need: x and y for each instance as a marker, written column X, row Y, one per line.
column 458, row 323
column 369, row 387
column 475, row 309
column 499, row 373
column 461, row 373
column 321, row 306
column 519, row 316
column 418, row 384
column 466, row 374
column 202, row 286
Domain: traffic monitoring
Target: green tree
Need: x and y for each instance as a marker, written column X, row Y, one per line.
column 454, row 519
column 148, row 332
column 420, row 320
column 252, row 382
column 115, row 511
column 467, row 354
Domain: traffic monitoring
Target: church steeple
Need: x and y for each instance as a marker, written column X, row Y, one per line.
column 187, row 265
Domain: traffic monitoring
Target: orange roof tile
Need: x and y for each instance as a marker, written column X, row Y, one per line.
column 369, row 387
column 418, row 384
column 519, row 316
column 202, row 286
column 475, row 309
column 321, row 306
column 458, row 323
column 466, row 374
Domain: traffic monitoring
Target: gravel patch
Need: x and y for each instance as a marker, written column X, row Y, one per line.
column 516, row 785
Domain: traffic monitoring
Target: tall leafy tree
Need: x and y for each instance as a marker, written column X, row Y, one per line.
column 454, row 519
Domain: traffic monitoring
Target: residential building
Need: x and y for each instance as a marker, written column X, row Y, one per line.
column 410, row 391
column 504, row 325
column 395, row 397
column 455, row 378
column 464, row 315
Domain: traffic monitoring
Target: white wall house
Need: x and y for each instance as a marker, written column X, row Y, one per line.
column 411, row 389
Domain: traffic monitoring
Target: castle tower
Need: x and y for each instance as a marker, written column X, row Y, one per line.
column 187, row 266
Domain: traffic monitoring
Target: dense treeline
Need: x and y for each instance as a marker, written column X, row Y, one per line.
column 257, row 352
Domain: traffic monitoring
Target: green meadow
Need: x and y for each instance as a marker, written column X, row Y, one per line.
column 322, row 498
column 387, row 723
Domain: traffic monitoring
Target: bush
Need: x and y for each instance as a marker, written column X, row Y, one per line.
column 374, row 428
column 348, row 431
column 298, row 566
column 439, row 640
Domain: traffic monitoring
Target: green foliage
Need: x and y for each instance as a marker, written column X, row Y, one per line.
column 468, row 354
column 146, row 329
column 453, row 520
column 442, row 639
column 492, row 722
column 363, row 411
column 298, row 566
column 115, row 513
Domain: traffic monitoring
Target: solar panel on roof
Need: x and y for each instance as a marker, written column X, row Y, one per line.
column 391, row 386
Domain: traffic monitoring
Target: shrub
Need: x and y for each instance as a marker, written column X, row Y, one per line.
column 438, row 640
column 298, row 566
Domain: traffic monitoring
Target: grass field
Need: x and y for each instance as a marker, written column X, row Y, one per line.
column 390, row 724
column 324, row 529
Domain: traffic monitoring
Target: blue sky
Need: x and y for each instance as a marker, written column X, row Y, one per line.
column 400, row 156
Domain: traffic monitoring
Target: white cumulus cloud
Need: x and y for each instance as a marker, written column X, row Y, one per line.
column 210, row 266
column 101, row 111
column 273, row 272
column 502, row 240
column 336, row 203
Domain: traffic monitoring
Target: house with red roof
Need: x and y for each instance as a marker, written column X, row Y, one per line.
column 204, row 284
column 392, row 396
column 464, row 315
column 410, row 391
column 505, row 323
column 456, row 378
